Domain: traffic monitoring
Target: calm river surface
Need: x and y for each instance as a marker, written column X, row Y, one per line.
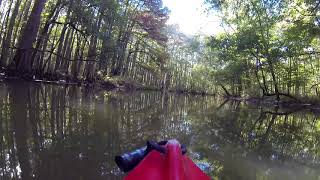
column 56, row 132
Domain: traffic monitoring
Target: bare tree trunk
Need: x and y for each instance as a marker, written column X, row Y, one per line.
column 62, row 40
column 274, row 78
column 44, row 38
column 7, row 39
column 75, row 64
column 104, row 56
column 40, row 59
column 5, row 23
column 68, row 53
column 122, row 44
column 22, row 61
column 48, row 63
column 22, row 18
column 91, row 64
column 59, row 58
column 66, row 45
column 134, row 59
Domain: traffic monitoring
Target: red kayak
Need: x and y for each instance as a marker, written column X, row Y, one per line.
column 169, row 166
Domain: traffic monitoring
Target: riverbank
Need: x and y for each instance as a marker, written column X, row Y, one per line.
column 108, row 83
column 289, row 105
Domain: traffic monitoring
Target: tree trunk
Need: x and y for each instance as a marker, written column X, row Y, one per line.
column 59, row 51
column 22, row 61
column 122, row 44
column 23, row 18
column 81, row 57
column 5, row 21
column 105, row 51
column 68, row 53
column 91, row 64
column 225, row 90
column 44, row 38
column 76, row 62
column 274, row 79
column 134, row 59
column 63, row 41
column 7, row 39
column 48, row 63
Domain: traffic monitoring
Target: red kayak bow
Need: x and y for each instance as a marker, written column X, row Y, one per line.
column 170, row 166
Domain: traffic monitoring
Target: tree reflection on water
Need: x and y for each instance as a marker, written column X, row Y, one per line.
column 57, row 132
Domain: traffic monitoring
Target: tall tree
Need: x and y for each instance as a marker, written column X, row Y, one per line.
column 22, row 61
column 8, row 37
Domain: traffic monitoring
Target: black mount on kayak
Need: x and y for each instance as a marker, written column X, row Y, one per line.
column 128, row 161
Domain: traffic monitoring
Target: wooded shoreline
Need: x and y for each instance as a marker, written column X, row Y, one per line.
column 272, row 53
column 291, row 104
column 108, row 85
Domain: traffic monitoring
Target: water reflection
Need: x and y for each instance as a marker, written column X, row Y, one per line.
column 56, row 132
column 247, row 142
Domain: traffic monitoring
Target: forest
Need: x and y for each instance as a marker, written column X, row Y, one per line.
column 82, row 81
column 269, row 48
column 86, row 40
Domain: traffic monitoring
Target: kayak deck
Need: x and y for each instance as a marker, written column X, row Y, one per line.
column 170, row 166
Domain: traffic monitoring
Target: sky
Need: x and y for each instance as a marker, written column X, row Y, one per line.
column 191, row 17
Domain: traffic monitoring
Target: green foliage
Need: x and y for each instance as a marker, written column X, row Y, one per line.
column 87, row 39
column 271, row 45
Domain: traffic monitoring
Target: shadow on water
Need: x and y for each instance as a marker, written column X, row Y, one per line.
column 55, row 132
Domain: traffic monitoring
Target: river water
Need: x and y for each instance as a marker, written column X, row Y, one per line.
column 57, row 132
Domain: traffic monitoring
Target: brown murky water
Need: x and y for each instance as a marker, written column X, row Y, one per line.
column 56, row 132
